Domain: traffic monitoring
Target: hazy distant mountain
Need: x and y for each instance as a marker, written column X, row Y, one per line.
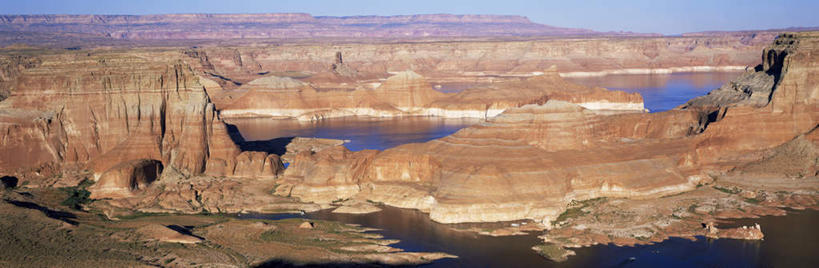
column 285, row 26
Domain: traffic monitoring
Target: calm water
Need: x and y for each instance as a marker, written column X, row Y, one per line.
column 662, row 92
column 362, row 133
column 790, row 241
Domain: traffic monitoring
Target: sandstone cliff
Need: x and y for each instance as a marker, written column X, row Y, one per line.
column 530, row 162
column 409, row 94
column 486, row 61
column 116, row 115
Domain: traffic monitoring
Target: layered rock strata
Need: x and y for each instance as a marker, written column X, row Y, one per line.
column 111, row 113
column 409, row 94
column 481, row 60
column 530, row 162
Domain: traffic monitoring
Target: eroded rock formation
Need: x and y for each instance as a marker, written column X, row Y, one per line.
column 481, row 61
column 409, row 94
column 530, row 162
column 112, row 112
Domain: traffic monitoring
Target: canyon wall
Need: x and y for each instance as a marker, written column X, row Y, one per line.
column 409, row 94
column 530, row 162
column 502, row 74
column 484, row 61
column 100, row 111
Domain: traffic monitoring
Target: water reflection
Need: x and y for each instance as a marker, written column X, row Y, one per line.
column 362, row 132
column 661, row 92
column 456, row 87
column 790, row 241
column 418, row 233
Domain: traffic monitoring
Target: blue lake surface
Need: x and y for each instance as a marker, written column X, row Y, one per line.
column 662, row 92
column 360, row 132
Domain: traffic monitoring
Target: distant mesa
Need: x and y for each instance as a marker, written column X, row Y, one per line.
column 284, row 25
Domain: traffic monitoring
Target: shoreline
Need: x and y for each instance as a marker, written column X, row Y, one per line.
column 527, row 228
column 307, row 115
column 671, row 70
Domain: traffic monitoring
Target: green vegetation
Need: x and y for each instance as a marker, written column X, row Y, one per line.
column 575, row 209
column 752, row 200
column 727, row 190
column 78, row 195
column 570, row 213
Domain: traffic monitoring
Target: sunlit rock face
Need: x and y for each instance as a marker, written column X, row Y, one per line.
column 125, row 178
column 286, row 97
column 409, row 94
column 471, row 61
column 97, row 111
column 529, row 162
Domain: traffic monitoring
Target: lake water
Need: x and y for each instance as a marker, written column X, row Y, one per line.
column 791, row 241
column 661, row 92
column 361, row 132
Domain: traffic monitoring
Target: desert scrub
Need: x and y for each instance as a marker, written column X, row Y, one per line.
column 576, row 209
column 273, row 235
column 299, row 239
column 727, row 190
column 753, row 200
column 553, row 252
column 77, row 195
column 570, row 213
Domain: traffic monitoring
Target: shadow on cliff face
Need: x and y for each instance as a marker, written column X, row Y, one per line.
column 276, row 146
column 145, row 173
column 9, row 182
column 280, row 263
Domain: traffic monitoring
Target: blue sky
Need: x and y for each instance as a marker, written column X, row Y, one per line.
column 658, row 16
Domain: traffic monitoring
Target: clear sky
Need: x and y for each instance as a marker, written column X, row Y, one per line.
column 657, row 16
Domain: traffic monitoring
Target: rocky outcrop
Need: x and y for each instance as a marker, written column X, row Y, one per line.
column 409, row 94
column 744, row 232
column 797, row 158
column 484, row 61
column 530, row 162
column 526, row 163
column 121, row 180
column 10, row 68
column 286, row 97
column 112, row 112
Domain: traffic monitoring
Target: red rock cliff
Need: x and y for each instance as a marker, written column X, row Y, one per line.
column 97, row 110
column 529, row 162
